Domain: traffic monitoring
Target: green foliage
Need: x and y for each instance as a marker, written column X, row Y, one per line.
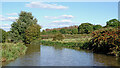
column 63, row 31
column 85, row 28
column 112, row 23
column 106, row 41
column 69, row 31
column 75, row 31
column 32, row 33
column 3, row 35
column 62, row 44
column 19, row 27
column 96, row 27
column 50, row 32
column 11, row 51
column 59, row 37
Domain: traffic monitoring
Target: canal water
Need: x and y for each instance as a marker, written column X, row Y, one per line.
column 39, row 55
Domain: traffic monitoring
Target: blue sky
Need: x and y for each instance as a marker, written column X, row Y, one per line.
column 60, row 14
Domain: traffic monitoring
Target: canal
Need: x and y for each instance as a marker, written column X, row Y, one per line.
column 39, row 55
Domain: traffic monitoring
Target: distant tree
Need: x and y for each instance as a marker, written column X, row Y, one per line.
column 63, row 31
column 3, row 35
column 20, row 25
column 58, row 37
column 112, row 23
column 32, row 33
column 43, row 32
column 74, row 31
column 96, row 27
column 85, row 28
column 55, row 31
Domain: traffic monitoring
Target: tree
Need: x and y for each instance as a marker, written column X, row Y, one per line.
column 74, row 31
column 96, row 27
column 85, row 28
column 63, row 31
column 20, row 25
column 32, row 33
column 58, row 37
column 112, row 23
column 3, row 36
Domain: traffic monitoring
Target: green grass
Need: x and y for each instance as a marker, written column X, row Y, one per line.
column 74, row 41
column 11, row 51
column 82, row 40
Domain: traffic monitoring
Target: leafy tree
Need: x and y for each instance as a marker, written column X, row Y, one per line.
column 96, row 27
column 85, row 28
column 74, row 31
column 59, row 37
column 20, row 25
column 32, row 33
column 112, row 23
column 54, row 31
column 63, row 31
column 3, row 36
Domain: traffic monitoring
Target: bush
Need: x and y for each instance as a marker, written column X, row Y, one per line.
column 106, row 41
column 59, row 37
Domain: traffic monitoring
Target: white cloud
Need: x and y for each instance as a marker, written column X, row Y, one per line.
column 45, row 5
column 62, row 21
column 5, row 27
column 67, row 16
column 2, row 18
column 12, row 14
column 60, row 17
column 12, row 18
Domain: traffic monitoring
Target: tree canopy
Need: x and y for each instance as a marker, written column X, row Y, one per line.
column 85, row 28
column 19, row 27
column 112, row 23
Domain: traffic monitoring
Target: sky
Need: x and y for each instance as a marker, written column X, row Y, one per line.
column 59, row 14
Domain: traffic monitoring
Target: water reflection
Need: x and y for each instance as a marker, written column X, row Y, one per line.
column 107, row 60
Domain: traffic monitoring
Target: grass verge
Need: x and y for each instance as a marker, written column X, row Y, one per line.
column 11, row 51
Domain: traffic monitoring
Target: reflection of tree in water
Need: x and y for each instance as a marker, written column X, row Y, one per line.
column 33, row 48
column 58, row 47
column 107, row 60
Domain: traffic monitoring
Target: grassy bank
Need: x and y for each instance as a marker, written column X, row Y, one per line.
column 70, row 41
column 11, row 51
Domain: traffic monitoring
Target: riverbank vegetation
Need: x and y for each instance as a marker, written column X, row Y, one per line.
column 11, row 51
column 25, row 30
column 99, row 39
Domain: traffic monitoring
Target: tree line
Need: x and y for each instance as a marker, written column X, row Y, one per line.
column 84, row 28
column 25, row 29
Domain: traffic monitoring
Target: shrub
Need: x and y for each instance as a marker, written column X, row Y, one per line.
column 106, row 41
